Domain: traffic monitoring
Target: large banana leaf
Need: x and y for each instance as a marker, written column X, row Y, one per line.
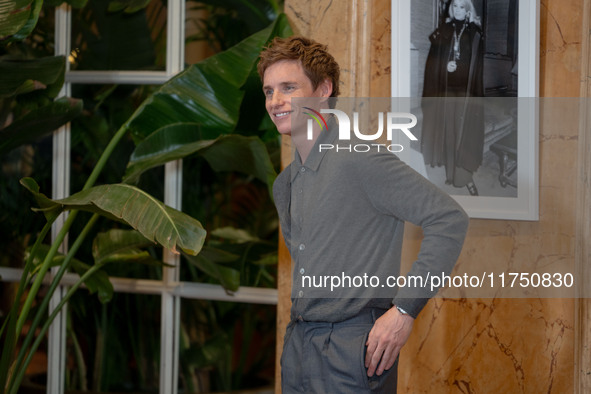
column 208, row 93
column 14, row 14
column 154, row 220
column 18, row 18
column 123, row 246
column 20, row 22
column 38, row 123
column 22, row 76
column 247, row 155
column 226, row 22
column 117, row 242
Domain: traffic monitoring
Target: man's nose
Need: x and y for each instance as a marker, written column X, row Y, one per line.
column 277, row 99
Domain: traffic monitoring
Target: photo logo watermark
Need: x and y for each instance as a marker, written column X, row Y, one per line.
column 318, row 118
column 394, row 122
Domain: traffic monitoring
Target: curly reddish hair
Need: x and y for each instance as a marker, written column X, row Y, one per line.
column 317, row 63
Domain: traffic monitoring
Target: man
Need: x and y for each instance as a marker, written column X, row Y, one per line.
column 342, row 213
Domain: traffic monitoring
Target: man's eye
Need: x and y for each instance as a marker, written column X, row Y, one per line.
column 268, row 92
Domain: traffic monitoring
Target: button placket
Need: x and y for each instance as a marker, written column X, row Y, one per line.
column 297, row 215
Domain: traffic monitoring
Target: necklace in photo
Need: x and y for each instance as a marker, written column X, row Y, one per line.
column 452, row 65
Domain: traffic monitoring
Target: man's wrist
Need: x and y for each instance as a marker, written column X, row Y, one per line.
column 401, row 310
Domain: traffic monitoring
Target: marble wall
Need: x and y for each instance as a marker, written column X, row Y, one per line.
column 480, row 345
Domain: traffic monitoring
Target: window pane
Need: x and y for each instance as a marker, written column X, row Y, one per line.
column 226, row 346
column 104, row 39
column 113, row 347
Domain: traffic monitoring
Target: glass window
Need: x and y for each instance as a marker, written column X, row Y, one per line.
column 107, row 38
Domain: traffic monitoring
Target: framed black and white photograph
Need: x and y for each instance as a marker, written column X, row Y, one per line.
column 473, row 86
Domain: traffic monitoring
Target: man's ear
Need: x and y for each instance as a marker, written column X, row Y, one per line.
column 326, row 88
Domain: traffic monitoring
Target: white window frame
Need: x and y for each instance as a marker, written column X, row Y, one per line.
column 169, row 288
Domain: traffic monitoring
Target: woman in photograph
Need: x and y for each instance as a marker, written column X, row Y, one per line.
column 453, row 129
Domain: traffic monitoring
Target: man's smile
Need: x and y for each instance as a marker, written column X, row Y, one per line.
column 282, row 114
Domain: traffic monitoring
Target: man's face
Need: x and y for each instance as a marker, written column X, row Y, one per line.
column 282, row 81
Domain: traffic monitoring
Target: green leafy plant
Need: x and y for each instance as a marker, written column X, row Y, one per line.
column 225, row 22
column 195, row 113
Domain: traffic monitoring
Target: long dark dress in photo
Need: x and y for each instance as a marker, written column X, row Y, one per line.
column 453, row 128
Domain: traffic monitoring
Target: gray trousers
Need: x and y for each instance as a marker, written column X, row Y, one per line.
column 320, row 357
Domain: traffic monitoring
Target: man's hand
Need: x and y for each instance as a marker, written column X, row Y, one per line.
column 386, row 338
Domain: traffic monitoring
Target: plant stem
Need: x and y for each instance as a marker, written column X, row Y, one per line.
column 13, row 388
column 79, row 356
column 42, row 271
column 64, row 230
column 102, row 161
column 27, row 269
column 61, row 236
column 54, row 284
column 8, row 344
column 99, row 356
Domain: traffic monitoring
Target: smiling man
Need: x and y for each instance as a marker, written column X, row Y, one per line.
column 342, row 215
column 284, row 78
